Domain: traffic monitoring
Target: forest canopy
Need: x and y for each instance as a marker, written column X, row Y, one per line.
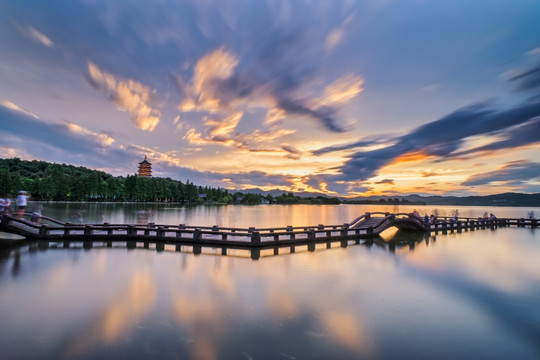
column 46, row 181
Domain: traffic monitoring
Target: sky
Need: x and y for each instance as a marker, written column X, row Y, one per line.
column 347, row 98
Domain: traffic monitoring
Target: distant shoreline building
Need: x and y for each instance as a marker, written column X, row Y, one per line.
column 145, row 168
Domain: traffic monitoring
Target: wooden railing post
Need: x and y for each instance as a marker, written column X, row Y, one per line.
column 345, row 229
column 43, row 230
column 255, row 237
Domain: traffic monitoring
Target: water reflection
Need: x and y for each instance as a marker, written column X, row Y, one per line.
column 474, row 293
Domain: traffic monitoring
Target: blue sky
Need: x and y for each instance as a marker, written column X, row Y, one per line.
column 343, row 97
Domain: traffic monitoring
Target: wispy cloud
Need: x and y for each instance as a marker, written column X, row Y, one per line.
column 58, row 140
column 12, row 106
column 444, row 137
column 528, row 80
column 39, row 37
column 516, row 172
column 128, row 95
column 224, row 82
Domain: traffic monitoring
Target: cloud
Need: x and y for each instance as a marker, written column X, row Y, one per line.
column 40, row 37
column 59, row 142
column 273, row 77
column 517, row 172
column 257, row 178
column 443, row 138
column 355, row 145
column 12, row 106
column 220, row 134
column 334, row 38
column 128, row 95
column 534, row 51
column 223, row 128
column 527, row 80
column 385, row 181
column 103, row 138
column 292, row 152
column 341, row 91
column 520, row 135
column 203, row 94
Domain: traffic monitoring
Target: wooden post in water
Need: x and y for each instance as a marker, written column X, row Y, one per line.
column 255, row 254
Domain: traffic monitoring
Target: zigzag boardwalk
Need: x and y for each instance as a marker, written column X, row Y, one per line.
column 367, row 226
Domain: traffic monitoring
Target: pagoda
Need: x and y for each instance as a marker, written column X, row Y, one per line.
column 145, row 168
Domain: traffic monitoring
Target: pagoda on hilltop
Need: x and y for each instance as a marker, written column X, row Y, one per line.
column 145, row 168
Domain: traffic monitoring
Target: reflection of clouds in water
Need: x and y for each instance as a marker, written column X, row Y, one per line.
column 132, row 303
column 281, row 303
column 347, row 330
column 486, row 258
column 221, row 279
column 99, row 265
column 58, row 276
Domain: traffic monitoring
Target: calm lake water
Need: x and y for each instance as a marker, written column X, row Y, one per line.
column 469, row 295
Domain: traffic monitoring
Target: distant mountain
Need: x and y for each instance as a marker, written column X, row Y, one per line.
column 278, row 192
column 506, row 199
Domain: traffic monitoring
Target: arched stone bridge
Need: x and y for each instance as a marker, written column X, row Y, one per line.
column 377, row 222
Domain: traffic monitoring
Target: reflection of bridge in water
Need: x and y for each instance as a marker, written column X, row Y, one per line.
column 226, row 240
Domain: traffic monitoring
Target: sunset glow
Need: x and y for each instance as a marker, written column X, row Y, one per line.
column 345, row 98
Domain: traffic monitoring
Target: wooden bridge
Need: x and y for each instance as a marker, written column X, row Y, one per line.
column 367, row 226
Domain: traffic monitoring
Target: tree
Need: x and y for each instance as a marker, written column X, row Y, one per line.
column 5, row 183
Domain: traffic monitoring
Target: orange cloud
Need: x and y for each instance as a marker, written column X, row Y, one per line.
column 128, row 95
column 408, row 157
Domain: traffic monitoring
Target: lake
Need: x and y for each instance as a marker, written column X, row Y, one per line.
column 469, row 295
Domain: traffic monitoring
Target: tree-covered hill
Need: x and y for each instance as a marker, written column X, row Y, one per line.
column 60, row 182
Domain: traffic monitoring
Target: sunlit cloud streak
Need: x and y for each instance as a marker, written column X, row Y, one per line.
column 12, row 106
column 57, row 135
column 442, row 138
column 39, row 37
column 128, row 95
column 528, row 80
column 224, row 82
column 516, row 172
